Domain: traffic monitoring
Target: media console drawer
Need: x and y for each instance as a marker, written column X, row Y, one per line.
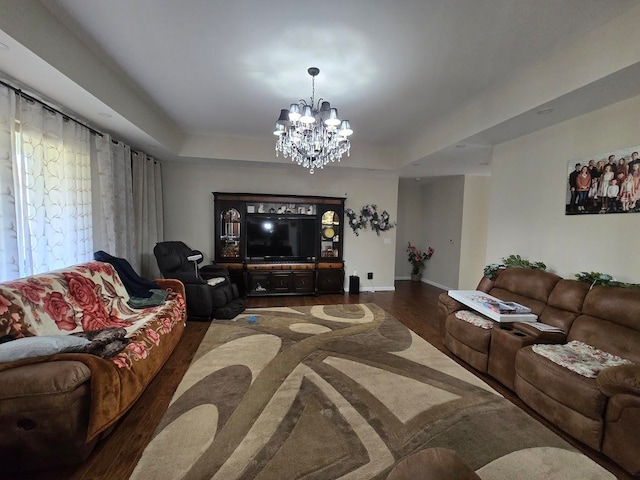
column 330, row 280
column 280, row 282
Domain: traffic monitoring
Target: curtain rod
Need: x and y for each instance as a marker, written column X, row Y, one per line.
column 49, row 107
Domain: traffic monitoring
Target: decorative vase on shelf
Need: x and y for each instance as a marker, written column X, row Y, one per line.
column 416, row 277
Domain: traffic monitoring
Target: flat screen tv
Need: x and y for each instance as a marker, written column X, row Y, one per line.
column 281, row 238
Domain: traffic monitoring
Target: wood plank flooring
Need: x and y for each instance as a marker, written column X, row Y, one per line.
column 412, row 303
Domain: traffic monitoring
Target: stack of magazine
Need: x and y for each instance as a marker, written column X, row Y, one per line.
column 543, row 327
column 506, row 308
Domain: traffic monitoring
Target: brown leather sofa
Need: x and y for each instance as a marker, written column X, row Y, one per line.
column 601, row 412
column 56, row 405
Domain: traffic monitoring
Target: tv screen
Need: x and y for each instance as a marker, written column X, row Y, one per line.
column 281, row 238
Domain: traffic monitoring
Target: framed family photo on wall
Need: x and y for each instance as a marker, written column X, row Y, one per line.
column 604, row 183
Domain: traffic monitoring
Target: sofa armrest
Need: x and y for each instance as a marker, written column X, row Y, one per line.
column 448, row 305
column 41, row 379
column 171, row 284
column 620, row 379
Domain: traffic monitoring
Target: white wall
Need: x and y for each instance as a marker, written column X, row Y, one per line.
column 529, row 176
column 189, row 208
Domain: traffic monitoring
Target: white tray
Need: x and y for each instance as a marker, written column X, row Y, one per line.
column 474, row 299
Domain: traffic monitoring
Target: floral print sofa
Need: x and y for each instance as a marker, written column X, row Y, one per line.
column 54, row 407
column 584, row 379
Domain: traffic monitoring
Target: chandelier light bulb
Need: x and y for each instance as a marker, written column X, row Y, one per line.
column 307, row 115
column 333, row 119
column 279, row 129
column 294, row 112
column 345, row 128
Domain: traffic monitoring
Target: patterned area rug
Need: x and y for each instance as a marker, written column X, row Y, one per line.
column 339, row 391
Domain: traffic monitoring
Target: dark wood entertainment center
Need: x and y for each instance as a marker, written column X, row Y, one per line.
column 280, row 244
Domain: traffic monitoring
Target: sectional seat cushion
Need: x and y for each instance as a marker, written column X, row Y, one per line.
column 579, row 357
column 572, row 402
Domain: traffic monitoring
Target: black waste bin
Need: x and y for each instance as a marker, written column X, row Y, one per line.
column 354, row 285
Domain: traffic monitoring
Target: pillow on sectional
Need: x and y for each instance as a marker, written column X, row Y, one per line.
column 29, row 347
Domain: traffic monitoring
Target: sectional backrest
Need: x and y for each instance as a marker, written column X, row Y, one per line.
column 607, row 318
column 610, row 320
column 564, row 304
column 525, row 286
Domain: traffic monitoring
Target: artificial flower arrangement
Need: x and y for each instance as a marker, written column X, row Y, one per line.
column 369, row 214
column 418, row 257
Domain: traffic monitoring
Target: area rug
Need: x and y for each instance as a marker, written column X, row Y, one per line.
column 339, row 391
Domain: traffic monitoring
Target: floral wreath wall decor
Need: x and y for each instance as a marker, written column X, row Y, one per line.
column 369, row 215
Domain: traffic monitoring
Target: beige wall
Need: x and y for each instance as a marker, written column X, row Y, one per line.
column 473, row 241
column 529, row 178
column 189, row 209
column 410, row 217
column 442, row 205
column 454, row 221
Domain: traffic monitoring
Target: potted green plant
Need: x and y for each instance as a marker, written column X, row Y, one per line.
column 417, row 259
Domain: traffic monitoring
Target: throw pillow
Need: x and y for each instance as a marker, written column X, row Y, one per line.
column 215, row 281
column 29, row 347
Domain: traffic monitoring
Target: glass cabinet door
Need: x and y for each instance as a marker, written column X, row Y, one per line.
column 330, row 235
column 230, row 233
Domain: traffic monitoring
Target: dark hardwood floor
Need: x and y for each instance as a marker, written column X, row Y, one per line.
column 412, row 303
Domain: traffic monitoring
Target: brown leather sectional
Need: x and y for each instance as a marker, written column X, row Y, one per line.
column 601, row 412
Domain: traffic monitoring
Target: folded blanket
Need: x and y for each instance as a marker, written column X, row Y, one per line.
column 157, row 297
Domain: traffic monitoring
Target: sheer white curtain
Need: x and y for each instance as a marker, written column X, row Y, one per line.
column 54, row 179
column 113, row 218
column 9, row 251
column 65, row 193
column 148, row 212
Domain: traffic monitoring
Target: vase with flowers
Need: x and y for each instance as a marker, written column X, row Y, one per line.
column 417, row 259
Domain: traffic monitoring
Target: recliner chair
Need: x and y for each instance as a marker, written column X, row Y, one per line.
column 208, row 297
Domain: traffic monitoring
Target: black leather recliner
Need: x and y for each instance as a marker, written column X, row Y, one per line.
column 206, row 299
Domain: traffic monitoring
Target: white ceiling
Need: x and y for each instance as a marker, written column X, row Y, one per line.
column 200, row 70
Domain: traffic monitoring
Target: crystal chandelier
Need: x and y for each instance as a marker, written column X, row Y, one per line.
column 312, row 134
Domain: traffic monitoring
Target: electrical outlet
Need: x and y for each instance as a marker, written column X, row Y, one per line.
column 370, row 276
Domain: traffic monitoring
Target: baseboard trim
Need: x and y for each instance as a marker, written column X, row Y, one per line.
column 424, row 280
column 443, row 287
column 377, row 289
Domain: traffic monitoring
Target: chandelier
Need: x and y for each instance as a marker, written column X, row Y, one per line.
column 312, row 134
